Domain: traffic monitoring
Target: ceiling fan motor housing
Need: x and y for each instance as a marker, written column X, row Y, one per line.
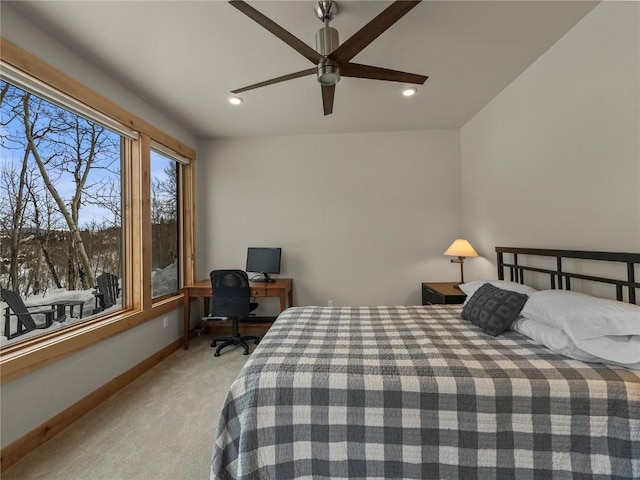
column 326, row 42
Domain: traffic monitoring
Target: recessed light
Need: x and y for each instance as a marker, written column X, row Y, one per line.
column 407, row 92
column 235, row 100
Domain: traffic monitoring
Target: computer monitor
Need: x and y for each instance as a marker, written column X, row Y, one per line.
column 263, row 260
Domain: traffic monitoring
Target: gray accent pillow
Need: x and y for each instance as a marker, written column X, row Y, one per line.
column 493, row 309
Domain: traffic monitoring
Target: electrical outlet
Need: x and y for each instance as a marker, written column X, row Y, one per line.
column 330, row 303
column 165, row 322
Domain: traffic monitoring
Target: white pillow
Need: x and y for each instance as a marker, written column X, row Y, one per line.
column 470, row 288
column 583, row 315
column 601, row 327
column 559, row 342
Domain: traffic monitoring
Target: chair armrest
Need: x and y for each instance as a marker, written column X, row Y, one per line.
column 49, row 316
column 21, row 314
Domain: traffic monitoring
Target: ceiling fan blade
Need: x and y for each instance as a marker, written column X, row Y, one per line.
column 291, row 40
column 291, row 76
column 378, row 73
column 372, row 30
column 328, row 91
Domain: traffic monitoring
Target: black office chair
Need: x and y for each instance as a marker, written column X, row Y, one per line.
column 231, row 299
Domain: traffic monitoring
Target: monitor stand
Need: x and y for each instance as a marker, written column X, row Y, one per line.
column 266, row 279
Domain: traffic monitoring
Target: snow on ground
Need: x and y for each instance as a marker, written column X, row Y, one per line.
column 44, row 301
column 162, row 280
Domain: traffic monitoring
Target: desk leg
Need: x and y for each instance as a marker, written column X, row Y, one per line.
column 186, row 318
column 290, row 297
column 283, row 302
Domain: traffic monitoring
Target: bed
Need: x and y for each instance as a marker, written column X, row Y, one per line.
column 416, row 392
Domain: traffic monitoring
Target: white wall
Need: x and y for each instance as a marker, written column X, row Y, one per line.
column 554, row 161
column 362, row 218
column 32, row 399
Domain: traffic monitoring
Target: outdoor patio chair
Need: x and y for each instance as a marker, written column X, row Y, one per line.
column 25, row 321
column 107, row 291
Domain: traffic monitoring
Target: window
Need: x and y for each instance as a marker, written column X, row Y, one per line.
column 77, row 174
column 60, row 211
column 165, row 234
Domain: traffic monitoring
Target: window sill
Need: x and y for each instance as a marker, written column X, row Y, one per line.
column 19, row 360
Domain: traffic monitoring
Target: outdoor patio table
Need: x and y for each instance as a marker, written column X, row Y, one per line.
column 62, row 304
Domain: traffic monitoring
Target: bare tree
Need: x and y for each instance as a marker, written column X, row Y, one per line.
column 165, row 191
column 164, row 216
column 71, row 145
column 56, row 164
column 100, row 239
column 43, row 232
column 109, row 198
column 14, row 184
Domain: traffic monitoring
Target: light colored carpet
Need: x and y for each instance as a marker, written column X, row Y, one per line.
column 160, row 426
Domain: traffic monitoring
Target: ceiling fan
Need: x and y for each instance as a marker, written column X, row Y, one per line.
column 331, row 59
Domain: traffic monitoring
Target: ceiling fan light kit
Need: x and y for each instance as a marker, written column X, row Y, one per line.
column 328, row 73
column 333, row 60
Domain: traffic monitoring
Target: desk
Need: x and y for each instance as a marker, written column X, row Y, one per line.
column 281, row 288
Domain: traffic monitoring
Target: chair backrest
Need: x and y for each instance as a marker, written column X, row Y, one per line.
column 16, row 304
column 231, row 293
column 107, row 284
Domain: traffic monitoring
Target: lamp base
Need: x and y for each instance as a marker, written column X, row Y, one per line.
column 460, row 260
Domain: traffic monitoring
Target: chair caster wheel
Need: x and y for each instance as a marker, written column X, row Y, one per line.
column 217, row 354
column 246, row 352
column 257, row 342
column 213, row 344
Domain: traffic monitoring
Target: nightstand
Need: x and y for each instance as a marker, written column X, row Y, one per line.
column 442, row 293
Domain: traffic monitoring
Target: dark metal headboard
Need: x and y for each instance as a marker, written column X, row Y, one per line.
column 563, row 278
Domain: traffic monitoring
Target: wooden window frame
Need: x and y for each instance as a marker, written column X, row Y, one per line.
column 32, row 354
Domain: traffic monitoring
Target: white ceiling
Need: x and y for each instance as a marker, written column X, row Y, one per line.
column 184, row 57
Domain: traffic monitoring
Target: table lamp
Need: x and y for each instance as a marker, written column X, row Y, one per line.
column 461, row 249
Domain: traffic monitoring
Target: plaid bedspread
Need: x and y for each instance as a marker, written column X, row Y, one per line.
column 418, row 393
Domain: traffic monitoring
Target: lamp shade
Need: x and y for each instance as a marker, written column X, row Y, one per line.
column 461, row 248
